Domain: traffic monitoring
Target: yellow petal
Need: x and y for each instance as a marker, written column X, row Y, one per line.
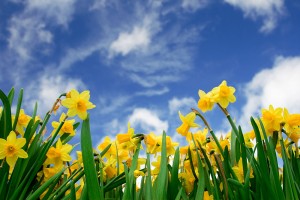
column 62, row 117
column 90, row 105
column 72, row 112
column 58, row 144
column 74, row 94
column 12, row 137
column 11, row 161
column 85, row 95
column 22, row 154
column 82, row 115
column 66, row 148
column 55, row 124
column 2, row 154
column 66, row 157
column 2, row 143
column 68, row 103
column 20, row 142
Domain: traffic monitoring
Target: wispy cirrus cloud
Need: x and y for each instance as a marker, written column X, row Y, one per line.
column 193, row 5
column 270, row 11
column 185, row 103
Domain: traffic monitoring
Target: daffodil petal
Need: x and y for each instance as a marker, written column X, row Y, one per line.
column 22, row 154
column 11, row 161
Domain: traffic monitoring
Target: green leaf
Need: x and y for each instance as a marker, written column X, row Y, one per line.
column 18, row 109
column 148, row 186
column 5, row 123
column 174, row 175
column 160, row 184
column 40, row 190
column 88, row 162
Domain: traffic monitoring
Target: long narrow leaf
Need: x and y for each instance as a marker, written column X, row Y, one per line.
column 88, row 162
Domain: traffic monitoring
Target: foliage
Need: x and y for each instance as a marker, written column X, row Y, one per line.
column 36, row 164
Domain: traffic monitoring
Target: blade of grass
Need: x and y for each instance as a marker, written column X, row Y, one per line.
column 161, row 181
column 88, row 162
column 40, row 190
column 148, row 186
column 5, row 125
column 20, row 98
column 174, row 175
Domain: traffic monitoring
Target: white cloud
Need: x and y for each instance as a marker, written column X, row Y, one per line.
column 29, row 30
column 278, row 86
column 268, row 10
column 148, row 121
column 153, row 80
column 60, row 11
column 193, row 5
column 26, row 34
column 185, row 104
column 153, row 92
column 46, row 89
column 111, row 104
column 139, row 38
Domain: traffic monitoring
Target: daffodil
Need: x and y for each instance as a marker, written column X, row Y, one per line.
column 67, row 127
column 239, row 172
column 112, row 149
column 247, row 138
column 188, row 180
column 22, row 122
column 272, row 119
column 170, row 146
column 206, row 196
column 205, row 102
column 78, row 104
column 138, row 173
column 291, row 125
column 11, row 149
column 200, row 136
column 151, row 142
column 59, row 154
column 223, row 94
column 187, row 123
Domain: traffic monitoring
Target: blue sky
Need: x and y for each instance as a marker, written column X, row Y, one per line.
column 143, row 61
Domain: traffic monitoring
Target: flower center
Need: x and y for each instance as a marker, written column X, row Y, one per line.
column 224, row 91
column 22, row 120
column 81, row 106
column 11, row 150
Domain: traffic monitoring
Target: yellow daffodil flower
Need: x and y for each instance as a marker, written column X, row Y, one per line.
column 205, row 102
column 138, row 173
column 59, row 154
column 247, row 137
column 224, row 94
column 78, row 104
column 11, row 149
column 188, row 180
column 151, row 142
column 187, row 123
column 200, row 136
column 66, row 128
column 206, row 196
column 272, row 119
column 169, row 145
column 22, row 122
column 291, row 125
column 112, row 149
column 239, row 172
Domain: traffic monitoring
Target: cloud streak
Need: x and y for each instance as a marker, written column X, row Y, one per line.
column 270, row 11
